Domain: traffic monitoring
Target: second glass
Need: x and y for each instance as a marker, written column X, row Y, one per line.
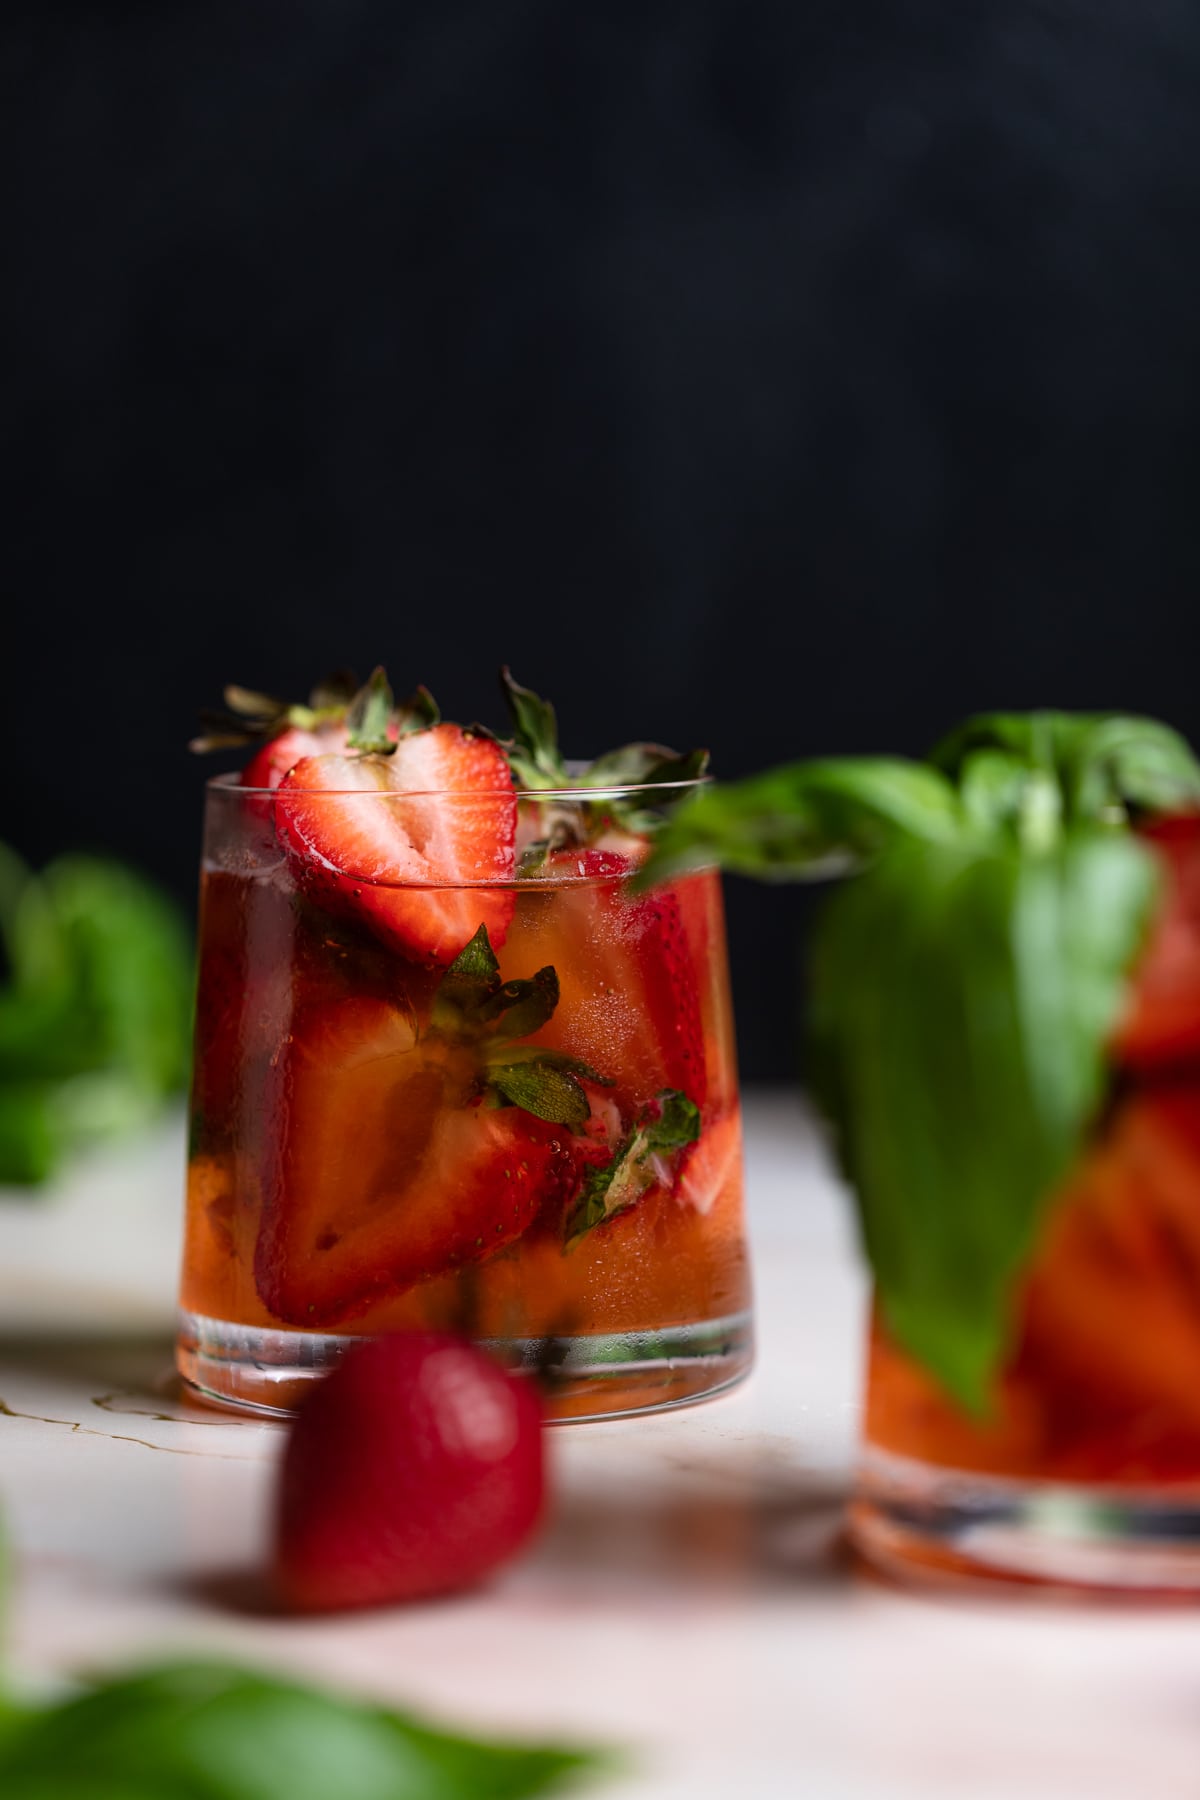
column 370, row 1146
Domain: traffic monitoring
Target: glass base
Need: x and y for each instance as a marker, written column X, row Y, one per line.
column 589, row 1377
column 915, row 1520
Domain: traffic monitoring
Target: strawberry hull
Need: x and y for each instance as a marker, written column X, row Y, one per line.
column 473, row 1133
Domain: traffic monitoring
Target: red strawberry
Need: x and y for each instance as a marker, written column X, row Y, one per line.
column 1111, row 1298
column 415, row 1468
column 628, row 975
column 1162, row 1023
column 713, row 1166
column 400, row 839
column 269, row 764
column 387, row 1167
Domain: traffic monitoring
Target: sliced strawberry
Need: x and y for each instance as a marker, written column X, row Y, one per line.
column 1162, row 1023
column 268, row 766
column 400, row 839
column 1113, row 1297
column 387, row 1168
column 628, row 975
column 713, row 1167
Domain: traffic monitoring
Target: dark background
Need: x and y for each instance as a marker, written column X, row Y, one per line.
column 784, row 377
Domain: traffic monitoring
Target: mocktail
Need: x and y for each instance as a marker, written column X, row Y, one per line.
column 1005, row 1038
column 452, row 1071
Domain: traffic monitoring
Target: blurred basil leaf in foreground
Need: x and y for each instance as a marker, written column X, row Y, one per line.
column 95, row 1007
column 207, row 1731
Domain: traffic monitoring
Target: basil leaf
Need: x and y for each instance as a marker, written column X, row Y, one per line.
column 206, row 1731
column 1137, row 762
column 646, row 1155
column 961, row 1003
column 130, row 965
column 95, row 1011
column 1103, row 762
column 805, row 819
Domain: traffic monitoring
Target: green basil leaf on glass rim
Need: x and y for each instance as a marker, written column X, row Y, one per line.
column 209, row 1731
column 1102, row 762
column 962, row 999
column 805, row 820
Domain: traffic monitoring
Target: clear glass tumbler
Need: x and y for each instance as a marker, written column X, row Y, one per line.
column 536, row 1138
column 1084, row 1467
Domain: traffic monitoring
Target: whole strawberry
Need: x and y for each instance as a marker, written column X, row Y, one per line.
column 414, row 1469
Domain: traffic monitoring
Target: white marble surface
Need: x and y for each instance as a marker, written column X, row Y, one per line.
column 688, row 1601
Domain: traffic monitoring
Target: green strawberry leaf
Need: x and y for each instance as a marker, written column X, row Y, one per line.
column 474, row 1007
column 522, row 1007
column 533, row 858
column 333, row 693
column 646, row 1155
column 541, row 1087
column 499, row 1051
column 209, row 1731
column 644, row 765
column 420, row 712
column 472, row 980
column 962, row 1000
column 534, row 754
column 253, row 718
column 370, row 714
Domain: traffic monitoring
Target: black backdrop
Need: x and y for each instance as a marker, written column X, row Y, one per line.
column 783, row 377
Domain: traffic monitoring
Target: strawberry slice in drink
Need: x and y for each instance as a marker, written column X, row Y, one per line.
column 412, row 842
column 628, row 971
column 268, row 766
column 1162, row 1022
column 1111, row 1301
column 389, row 1165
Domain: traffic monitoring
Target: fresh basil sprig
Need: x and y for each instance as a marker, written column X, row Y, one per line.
column 966, row 983
column 95, row 1007
column 211, row 1731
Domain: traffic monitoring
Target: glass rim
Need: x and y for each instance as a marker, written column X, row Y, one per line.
column 228, row 783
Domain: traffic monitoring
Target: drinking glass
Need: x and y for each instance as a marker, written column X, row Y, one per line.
column 367, row 1153
column 1084, row 1466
